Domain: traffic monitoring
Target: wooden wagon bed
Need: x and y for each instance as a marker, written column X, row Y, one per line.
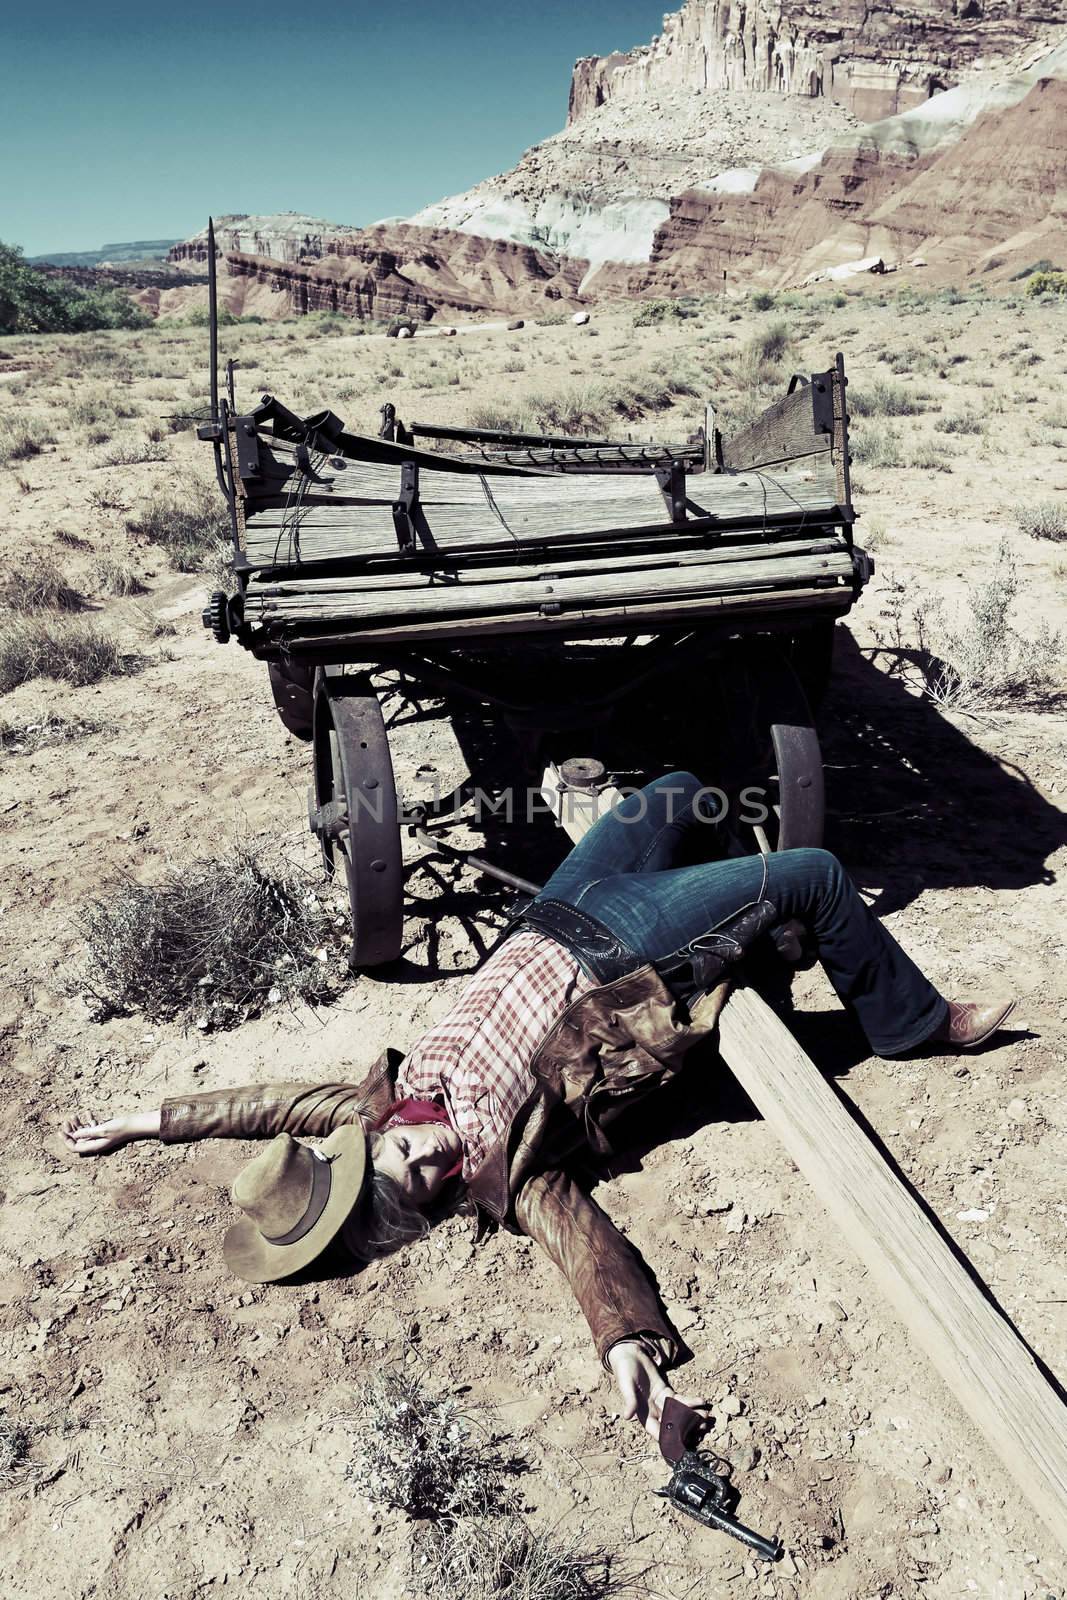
column 382, row 541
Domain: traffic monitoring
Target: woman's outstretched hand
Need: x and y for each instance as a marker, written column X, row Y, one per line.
column 643, row 1387
column 84, row 1136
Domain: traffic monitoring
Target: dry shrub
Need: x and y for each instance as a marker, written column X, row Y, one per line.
column 37, row 586
column 70, row 649
column 189, row 526
column 978, row 660
column 504, row 1557
column 14, row 1447
column 884, row 399
column 419, row 1453
column 1047, row 519
column 213, row 943
column 35, row 731
column 132, row 451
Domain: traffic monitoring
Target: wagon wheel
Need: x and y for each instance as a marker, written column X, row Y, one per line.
column 293, row 687
column 770, row 745
column 353, row 810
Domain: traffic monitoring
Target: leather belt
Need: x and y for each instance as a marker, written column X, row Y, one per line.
column 687, row 972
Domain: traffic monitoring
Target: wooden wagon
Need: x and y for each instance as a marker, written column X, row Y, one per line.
column 467, row 558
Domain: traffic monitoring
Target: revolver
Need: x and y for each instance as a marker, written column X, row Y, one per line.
column 695, row 1488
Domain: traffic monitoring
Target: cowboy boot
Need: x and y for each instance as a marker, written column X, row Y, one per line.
column 970, row 1022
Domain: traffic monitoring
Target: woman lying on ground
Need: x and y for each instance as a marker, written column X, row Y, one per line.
column 590, row 1002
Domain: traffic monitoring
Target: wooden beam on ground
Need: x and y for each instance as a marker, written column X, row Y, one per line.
column 978, row 1353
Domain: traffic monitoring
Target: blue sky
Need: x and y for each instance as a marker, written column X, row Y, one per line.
column 135, row 120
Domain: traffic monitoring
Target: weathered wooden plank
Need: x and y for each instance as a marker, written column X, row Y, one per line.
column 382, row 600
column 977, row 1351
column 321, row 531
column 576, row 622
column 373, row 580
column 784, row 431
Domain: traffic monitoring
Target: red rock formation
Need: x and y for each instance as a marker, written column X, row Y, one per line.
column 997, row 188
column 394, row 270
column 877, row 59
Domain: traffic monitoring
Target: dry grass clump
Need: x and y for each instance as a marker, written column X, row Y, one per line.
column 70, row 649
column 418, row 1452
column 506, row 1558
column 930, row 457
column 960, row 422
column 212, row 944
column 884, row 399
column 14, row 1447
column 36, row 731
column 189, row 526
column 1046, row 519
column 597, row 408
column 37, row 586
column 19, row 440
column 114, row 576
column 880, row 448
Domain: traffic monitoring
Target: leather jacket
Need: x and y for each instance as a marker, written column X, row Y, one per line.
column 612, row 1046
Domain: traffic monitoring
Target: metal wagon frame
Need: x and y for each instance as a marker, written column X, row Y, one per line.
column 461, row 566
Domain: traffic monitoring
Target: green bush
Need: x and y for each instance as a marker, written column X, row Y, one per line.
column 762, row 300
column 654, row 312
column 1047, row 283
column 40, row 302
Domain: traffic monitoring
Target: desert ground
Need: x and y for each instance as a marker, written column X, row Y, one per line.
column 188, row 1434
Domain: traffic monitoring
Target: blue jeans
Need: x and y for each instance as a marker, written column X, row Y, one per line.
column 621, row 873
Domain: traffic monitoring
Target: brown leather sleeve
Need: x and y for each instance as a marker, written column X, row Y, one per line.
column 605, row 1273
column 261, row 1110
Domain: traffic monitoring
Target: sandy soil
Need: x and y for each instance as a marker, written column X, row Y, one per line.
column 191, row 1434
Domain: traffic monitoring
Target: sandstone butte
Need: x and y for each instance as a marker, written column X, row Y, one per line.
column 760, row 142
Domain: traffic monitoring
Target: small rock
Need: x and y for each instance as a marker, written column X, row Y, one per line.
column 731, row 1406
column 1017, row 1110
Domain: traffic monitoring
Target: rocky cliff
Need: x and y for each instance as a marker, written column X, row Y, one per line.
column 875, row 59
column 285, row 236
column 729, row 89
column 394, row 269
column 972, row 180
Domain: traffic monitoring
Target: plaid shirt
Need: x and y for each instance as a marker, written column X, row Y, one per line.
column 478, row 1056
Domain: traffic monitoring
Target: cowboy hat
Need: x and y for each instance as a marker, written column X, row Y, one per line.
column 295, row 1198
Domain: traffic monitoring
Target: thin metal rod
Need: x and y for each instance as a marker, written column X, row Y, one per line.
column 522, row 884
column 213, row 318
